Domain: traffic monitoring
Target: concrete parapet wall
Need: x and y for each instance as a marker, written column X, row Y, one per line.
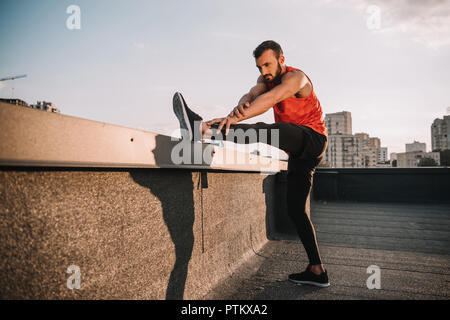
column 112, row 201
column 134, row 233
column 430, row 184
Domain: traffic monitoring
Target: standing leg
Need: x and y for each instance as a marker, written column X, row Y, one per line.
column 306, row 148
column 299, row 183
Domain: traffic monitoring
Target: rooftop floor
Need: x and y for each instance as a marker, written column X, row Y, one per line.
column 409, row 243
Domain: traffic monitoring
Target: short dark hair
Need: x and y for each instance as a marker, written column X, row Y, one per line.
column 268, row 44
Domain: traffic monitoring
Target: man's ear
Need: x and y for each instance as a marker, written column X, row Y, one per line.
column 281, row 60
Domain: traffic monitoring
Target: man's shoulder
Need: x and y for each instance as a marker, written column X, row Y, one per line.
column 295, row 76
column 294, row 73
column 299, row 78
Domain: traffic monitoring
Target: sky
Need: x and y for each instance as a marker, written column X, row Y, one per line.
column 387, row 62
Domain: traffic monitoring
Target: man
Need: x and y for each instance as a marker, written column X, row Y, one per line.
column 301, row 131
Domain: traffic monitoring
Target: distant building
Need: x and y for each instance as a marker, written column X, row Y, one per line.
column 436, row 156
column 346, row 150
column 16, row 102
column 368, row 152
column 45, row 106
column 342, row 146
column 339, row 122
column 444, row 158
column 412, row 159
column 374, row 141
column 40, row 105
column 416, row 146
column 440, row 134
column 342, row 151
column 393, row 159
column 383, row 155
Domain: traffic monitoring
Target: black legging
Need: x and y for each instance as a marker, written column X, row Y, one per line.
column 306, row 149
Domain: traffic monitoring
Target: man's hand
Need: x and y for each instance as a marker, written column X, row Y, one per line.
column 239, row 111
column 223, row 122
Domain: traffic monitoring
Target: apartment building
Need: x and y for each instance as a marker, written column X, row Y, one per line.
column 339, row 123
column 440, row 134
column 343, row 151
column 416, row 146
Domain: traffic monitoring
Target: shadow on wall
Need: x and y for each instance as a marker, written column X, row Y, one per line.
column 174, row 188
column 279, row 225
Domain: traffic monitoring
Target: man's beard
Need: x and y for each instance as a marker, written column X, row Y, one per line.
column 277, row 77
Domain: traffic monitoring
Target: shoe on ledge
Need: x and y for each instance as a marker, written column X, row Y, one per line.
column 190, row 122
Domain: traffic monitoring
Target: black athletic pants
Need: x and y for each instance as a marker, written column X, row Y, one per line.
column 306, row 149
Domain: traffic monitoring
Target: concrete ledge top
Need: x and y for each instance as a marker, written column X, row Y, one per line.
column 30, row 137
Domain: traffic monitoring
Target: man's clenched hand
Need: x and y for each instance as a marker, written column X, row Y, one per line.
column 227, row 121
column 239, row 111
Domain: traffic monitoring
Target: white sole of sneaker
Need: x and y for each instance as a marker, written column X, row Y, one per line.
column 317, row 284
column 180, row 112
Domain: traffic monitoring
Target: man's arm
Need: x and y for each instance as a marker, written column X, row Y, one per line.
column 255, row 91
column 247, row 98
column 290, row 84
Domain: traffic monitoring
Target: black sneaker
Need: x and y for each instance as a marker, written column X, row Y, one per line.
column 190, row 124
column 309, row 277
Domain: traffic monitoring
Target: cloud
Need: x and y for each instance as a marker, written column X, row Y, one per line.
column 427, row 22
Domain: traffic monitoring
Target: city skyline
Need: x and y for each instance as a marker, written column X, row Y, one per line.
column 127, row 59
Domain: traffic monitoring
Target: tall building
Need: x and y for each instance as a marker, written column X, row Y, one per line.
column 363, row 138
column 440, row 134
column 416, row 146
column 342, row 146
column 376, row 143
column 339, row 122
column 342, row 151
column 346, row 150
column 383, row 155
column 368, row 152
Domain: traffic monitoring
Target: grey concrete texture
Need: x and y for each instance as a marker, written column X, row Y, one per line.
column 134, row 233
column 409, row 243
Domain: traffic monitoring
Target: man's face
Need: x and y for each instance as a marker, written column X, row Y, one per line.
column 269, row 65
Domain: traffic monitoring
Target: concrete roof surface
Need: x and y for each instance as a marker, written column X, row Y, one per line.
column 410, row 244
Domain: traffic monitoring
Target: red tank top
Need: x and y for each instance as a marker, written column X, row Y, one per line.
column 303, row 111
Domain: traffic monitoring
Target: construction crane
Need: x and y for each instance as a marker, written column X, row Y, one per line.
column 13, row 78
